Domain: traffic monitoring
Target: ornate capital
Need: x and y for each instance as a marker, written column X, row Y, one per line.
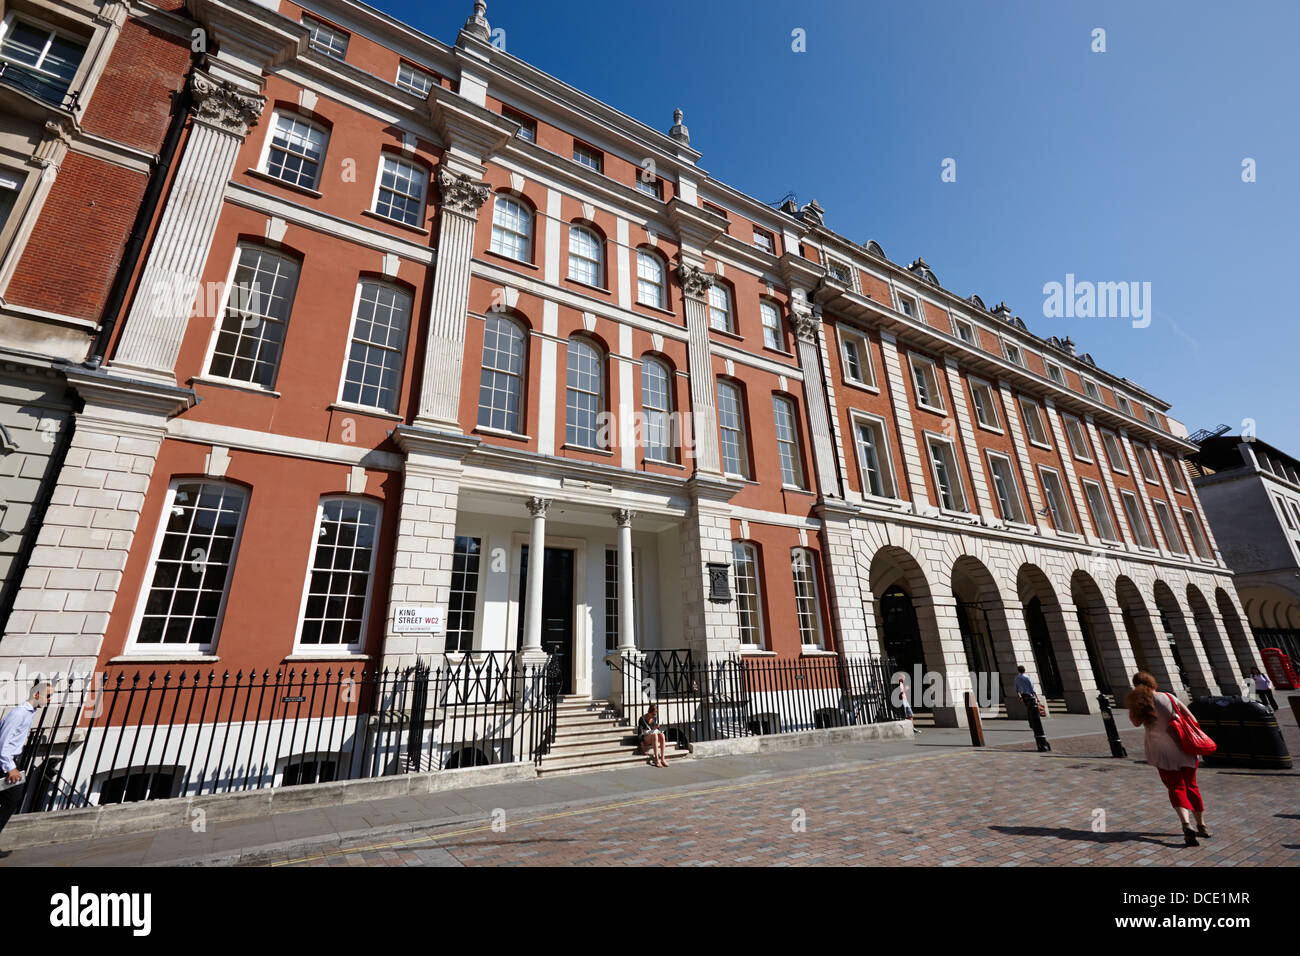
column 805, row 324
column 460, row 193
column 222, row 104
column 624, row 517
column 537, row 506
column 695, row 281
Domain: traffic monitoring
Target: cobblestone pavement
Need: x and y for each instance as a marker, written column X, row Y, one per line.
column 998, row 807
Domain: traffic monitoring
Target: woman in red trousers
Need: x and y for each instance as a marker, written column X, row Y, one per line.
column 1153, row 710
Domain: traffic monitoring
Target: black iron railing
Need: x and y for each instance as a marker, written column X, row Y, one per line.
column 745, row 696
column 1284, row 639
column 150, row 736
column 29, row 81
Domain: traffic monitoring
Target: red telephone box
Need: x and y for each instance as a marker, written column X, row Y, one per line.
column 1280, row 669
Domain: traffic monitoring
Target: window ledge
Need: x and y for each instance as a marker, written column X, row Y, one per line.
column 231, row 383
column 1040, row 444
column 364, row 410
column 725, row 334
column 591, row 451
column 862, row 386
column 657, row 308
column 667, row 464
column 594, row 288
column 395, row 222
column 809, row 650
column 768, row 348
column 268, row 178
column 501, row 433
column 794, row 489
column 142, row 658
column 514, row 262
column 299, row 656
column 748, row 650
column 989, row 428
column 931, row 408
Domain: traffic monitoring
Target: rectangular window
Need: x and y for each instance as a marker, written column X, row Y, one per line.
column 195, row 553
column 787, row 441
column 964, row 331
column 1174, row 468
column 512, row 229
column 720, row 316
column 1013, row 353
column 1102, row 519
column 589, row 156
column 840, row 272
column 1054, row 492
column 415, row 80
column 295, row 151
column 1122, row 403
column 1198, row 536
column 501, row 380
column 649, row 279
column 749, row 610
column 463, row 603
column 10, row 185
column 527, row 125
column 926, row 379
column 873, row 458
column 1167, row 526
column 1153, row 418
column 947, row 479
column 856, row 356
column 258, row 304
column 807, row 612
column 1114, row 454
column 611, row 597
column 373, row 376
column 325, row 39
column 38, row 59
column 907, row 305
column 731, row 428
column 986, row 405
column 773, row 338
column 656, row 405
column 1090, row 389
column 338, row 587
column 1006, row 489
column 1136, row 520
column 1054, row 373
column 1146, row 463
column 400, row 192
column 1286, row 515
column 1034, row 424
column 651, row 186
column 1078, row 440
column 764, row 241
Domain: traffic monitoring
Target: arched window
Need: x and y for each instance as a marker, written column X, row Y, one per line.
column 512, row 228
column 657, row 407
column 586, row 256
column 501, row 382
column 650, row 279
column 585, row 395
column 805, row 597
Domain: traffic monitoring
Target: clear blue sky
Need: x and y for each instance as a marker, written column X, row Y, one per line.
column 1115, row 166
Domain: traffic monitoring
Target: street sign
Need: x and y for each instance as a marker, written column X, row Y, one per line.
column 408, row 619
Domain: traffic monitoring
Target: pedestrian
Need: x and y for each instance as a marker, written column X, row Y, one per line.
column 908, row 713
column 1152, row 710
column 1024, row 687
column 652, row 737
column 1263, row 688
column 15, row 727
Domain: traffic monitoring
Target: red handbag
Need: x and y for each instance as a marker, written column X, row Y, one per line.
column 1188, row 733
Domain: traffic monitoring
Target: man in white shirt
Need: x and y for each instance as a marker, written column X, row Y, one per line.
column 15, row 727
column 1263, row 688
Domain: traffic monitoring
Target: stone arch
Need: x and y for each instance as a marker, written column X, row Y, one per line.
column 1212, row 641
column 985, row 629
column 1242, row 643
column 1192, row 669
column 1108, row 650
column 1271, row 607
column 1062, row 668
column 1150, row 654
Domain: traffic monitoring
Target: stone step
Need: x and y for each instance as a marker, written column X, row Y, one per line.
column 614, row 761
column 605, row 729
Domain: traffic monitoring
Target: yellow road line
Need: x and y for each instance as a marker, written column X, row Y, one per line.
column 641, row 801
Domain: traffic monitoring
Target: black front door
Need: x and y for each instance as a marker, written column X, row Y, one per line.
column 557, row 608
column 1040, row 639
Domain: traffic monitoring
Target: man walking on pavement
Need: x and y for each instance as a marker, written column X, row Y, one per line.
column 1029, row 697
column 15, row 727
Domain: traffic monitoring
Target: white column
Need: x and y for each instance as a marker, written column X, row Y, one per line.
column 536, row 559
column 704, row 404
column 159, row 316
column 626, row 631
column 445, row 346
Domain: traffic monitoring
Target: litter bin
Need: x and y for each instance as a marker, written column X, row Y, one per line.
column 763, row 724
column 1245, row 731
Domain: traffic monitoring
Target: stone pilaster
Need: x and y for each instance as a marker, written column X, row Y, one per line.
column 710, row 628
column 1157, row 531
column 155, row 326
column 449, row 301
column 961, row 412
column 704, row 399
column 1126, row 533
column 807, row 325
column 1012, row 413
column 852, row 637
column 70, row 586
column 912, row 464
column 1066, row 457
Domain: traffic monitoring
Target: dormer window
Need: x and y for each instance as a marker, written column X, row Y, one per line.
column 326, row 39
column 589, row 156
column 415, row 80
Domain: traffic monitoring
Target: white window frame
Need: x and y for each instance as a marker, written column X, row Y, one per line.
column 1017, row 498
column 741, row 429
column 803, row 559
column 1168, row 526
column 1116, row 457
column 331, row 33
column 500, row 248
column 133, row 645
column 419, row 176
column 660, row 286
column 592, row 155
column 764, row 241
column 902, row 297
column 334, row 650
column 669, row 447
column 791, row 443
column 1054, row 372
column 991, row 400
column 727, row 309
column 352, row 327
column 1286, row 515
column 1091, row 389
column 849, row 337
column 1087, row 453
column 416, row 73
column 1090, row 485
column 479, row 595
column 1197, row 534
column 1146, row 464
column 215, row 335
column 833, row 264
column 751, row 557
column 264, row 160
column 952, row 468
column 884, row 457
column 1013, row 353
column 773, row 332
column 1152, row 420
column 1039, row 418
column 1060, row 510
column 927, row 363
column 598, row 282
column 527, row 125
column 601, row 393
column 1122, row 403
column 12, row 16
column 1137, row 520
column 965, row 331
column 1174, row 468
column 520, row 380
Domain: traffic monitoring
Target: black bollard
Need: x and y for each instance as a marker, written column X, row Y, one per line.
column 1036, row 722
column 1112, row 732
